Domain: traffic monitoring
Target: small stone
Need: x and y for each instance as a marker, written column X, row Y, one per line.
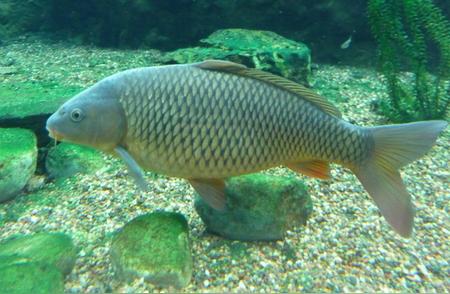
column 55, row 249
column 8, row 61
column 18, row 157
column 36, row 182
column 154, row 247
column 7, row 70
column 352, row 280
column 259, row 207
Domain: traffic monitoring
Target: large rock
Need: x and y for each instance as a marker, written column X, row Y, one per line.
column 65, row 160
column 55, row 249
column 259, row 207
column 154, row 247
column 257, row 49
column 18, row 156
column 20, row 275
column 29, row 104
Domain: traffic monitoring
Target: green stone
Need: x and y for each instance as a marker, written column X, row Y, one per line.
column 263, row 50
column 197, row 54
column 27, row 99
column 259, row 207
column 22, row 276
column 18, row 157
column 66, row 160
column 56, row 249
column 155, row 247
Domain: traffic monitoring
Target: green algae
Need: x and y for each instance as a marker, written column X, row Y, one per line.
column 56, row 249
column 24, row 277
column 18, row 157
column 32, row 98
column 16, row 141
column 154, row 246
column 259, row 207
column 66, row 160
column 239, row 39
column 263, row 50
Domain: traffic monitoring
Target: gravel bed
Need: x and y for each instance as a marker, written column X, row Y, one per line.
column 346, row 246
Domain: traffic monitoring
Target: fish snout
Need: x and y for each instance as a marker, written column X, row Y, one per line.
column 50, row 126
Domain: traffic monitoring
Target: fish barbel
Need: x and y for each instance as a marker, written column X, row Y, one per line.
column 212, row 120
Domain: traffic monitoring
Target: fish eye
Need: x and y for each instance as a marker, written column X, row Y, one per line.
column 76, row 115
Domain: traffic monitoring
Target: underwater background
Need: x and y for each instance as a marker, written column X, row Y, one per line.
column 71, row 219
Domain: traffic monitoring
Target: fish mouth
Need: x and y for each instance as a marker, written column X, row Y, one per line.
column 54, row 134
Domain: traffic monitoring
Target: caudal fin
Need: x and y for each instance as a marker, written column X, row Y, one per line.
column 394, row 147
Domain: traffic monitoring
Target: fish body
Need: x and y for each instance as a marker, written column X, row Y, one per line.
column 212, row 120
column 346, row 44
column 188, row 122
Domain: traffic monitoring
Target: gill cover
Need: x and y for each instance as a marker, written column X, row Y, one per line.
column 93, row 118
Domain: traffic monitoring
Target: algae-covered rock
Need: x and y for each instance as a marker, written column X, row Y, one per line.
column 20, row 275
column 155, row 247
column 65, row 160
column 257, row 49
column 55, row 249
column 18, row 156
column 259, row 207
column 28, row 104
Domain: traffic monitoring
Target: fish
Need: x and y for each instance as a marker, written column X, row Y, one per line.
column 211, row 120
column 347, row 43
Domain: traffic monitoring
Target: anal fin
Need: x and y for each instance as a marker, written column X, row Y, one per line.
column 314, row 168
column 212, row 191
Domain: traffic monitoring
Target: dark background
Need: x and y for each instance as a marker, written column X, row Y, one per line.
column 168, row 24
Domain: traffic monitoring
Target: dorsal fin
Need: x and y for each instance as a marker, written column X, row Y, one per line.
column 297, row 89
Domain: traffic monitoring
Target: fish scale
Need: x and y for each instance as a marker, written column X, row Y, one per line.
column 211, row 124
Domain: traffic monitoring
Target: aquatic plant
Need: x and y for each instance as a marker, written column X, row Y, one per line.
column 407, row 33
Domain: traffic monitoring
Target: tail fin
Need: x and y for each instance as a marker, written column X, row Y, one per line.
column 394, row 147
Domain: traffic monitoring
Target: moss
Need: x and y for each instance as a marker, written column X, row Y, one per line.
column 18, row 157
column 241, row 39
column 197, row 54
column 154, row 246
column 15, row 142
column 257, row 49
column 65, row 160
column 27, row 98
column 19, row 276
column 259, row 207
column 56, row 249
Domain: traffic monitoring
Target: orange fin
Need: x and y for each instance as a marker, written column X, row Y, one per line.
column 314, row 168
column 212, row 191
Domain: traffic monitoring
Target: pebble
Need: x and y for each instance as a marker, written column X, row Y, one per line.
column 7, row 70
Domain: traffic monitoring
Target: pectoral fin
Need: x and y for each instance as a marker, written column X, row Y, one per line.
column 212, row 191
column 314, row 168
column 133, row 168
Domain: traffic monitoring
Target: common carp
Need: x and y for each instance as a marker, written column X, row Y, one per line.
column 212, row 120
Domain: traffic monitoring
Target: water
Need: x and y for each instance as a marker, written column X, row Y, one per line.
column 52, row 50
